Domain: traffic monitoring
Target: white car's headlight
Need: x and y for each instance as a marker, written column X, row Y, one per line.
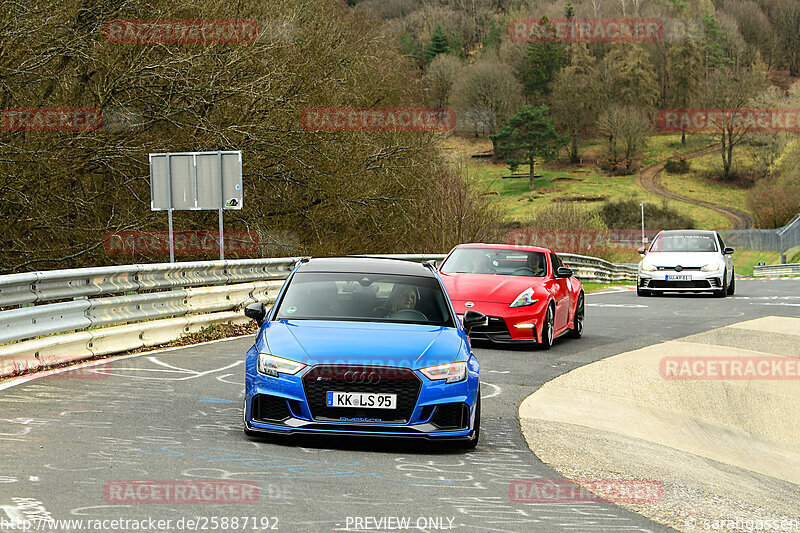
column 452, row 372
column 647, row 267
column 524, row 298
column 272, row 366
column 711, row 267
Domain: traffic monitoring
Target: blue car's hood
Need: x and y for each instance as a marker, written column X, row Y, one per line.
column 365, row 343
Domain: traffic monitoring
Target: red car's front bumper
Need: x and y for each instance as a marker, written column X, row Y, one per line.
column 510, row 325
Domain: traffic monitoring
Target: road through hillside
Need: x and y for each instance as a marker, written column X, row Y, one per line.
column 649, row 179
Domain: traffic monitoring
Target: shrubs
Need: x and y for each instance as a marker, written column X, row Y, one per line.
column 627, row 214
column 677, row 166
column 773, row 204
column 619, row 167
column 566, row 216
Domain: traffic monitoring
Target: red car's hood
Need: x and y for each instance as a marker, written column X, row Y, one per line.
column 488, row 287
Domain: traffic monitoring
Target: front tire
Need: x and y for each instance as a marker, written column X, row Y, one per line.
column 548, row 329
column 732, row 286
column 724, row 290
column 577, row 320
column 640, row 291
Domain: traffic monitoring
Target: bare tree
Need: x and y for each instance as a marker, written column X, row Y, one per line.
column 729, row 90
column 488, row 93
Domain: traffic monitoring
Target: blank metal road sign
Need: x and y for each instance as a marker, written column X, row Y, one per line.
column 199, row 180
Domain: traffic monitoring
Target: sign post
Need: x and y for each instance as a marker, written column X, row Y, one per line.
column 196, row 181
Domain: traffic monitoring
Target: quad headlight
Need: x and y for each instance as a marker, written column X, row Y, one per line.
column 272, row 366
column 452, row 372
column 525, row 298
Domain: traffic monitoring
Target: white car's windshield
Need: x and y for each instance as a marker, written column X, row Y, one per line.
column 684, row 242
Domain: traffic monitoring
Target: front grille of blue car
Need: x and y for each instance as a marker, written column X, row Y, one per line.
column 321, row 379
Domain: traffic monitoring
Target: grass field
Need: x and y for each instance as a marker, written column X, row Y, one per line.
column 584, row 184
column 694, row 185
column 661, row 147
column 591, row 286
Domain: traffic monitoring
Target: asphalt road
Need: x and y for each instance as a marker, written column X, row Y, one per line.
column 176, row 415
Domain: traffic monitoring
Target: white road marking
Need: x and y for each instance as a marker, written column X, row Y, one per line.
column 632, row 306
column 496, row 392
column 192, row 374
column 222, row 379
column 25, row 379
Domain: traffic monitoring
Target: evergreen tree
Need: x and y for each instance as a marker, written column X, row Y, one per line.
column 437, row 45
column 529, row 134
column 543, row 60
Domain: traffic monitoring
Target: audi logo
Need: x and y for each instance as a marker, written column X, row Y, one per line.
column 362, row 377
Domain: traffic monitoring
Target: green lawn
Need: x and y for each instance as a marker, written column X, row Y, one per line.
column 588, row 185
column 661, row 147
column 592, row 286
column 694, row 185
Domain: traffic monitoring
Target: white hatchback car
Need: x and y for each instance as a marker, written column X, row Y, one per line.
column 686, row 261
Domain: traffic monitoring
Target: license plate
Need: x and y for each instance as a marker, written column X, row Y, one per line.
column 361, row 399
column 679, row 277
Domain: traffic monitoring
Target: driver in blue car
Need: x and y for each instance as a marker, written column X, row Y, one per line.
column 402, row 297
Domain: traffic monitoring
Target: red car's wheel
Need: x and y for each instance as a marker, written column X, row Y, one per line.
column 548, row 329
column 577, row 321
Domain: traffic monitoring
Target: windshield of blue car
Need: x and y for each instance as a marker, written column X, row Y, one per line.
column 365, row 298
column 495, row 261
column 676, row 242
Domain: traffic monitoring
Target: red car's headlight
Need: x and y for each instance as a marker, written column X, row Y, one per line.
column 524, row 299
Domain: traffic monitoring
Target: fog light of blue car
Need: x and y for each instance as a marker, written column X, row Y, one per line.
column 272, row 366
column 711, row 267
column 524, row 299
column 452, row 372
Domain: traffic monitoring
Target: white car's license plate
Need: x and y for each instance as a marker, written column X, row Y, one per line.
column 679, row 277
column 361, row 399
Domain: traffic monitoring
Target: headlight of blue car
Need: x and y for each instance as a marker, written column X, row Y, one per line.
column 272, row 366
column 452, row 372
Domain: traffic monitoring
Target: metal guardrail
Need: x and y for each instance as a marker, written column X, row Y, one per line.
column 56, row 316
column 768, row 271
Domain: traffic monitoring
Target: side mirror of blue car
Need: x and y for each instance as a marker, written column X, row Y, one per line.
column 474, row 319
column 256, row 311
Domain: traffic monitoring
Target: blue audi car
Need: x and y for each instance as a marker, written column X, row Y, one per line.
column 363, row 346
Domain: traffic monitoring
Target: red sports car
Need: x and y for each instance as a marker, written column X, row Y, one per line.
column 527, row 293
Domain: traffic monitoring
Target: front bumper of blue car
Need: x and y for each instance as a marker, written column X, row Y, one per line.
column 295, row 404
